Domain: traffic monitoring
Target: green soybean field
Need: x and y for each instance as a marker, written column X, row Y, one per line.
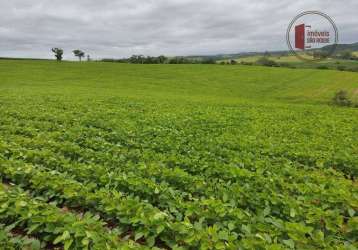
column 120, row 156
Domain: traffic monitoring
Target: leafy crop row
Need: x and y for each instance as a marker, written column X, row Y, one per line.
column 11, row 241
column 54, row 225
column 148, row 221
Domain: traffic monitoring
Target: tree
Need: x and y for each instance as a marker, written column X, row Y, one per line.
column 347, row 54
column 58, row 53
column 88, row 58
column 264, row 61
column 208, row 61
column 79, row 54
column 320, row 54
column 341, row 98
column 267, row 54
column 137, row 59
column 233, row 62
column 162, row 59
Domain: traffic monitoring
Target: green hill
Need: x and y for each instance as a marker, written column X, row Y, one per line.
column 195, row 82
column 279, row 53
column 342, row 47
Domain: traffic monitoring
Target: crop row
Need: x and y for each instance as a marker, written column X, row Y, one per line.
column 147, row 134
column 54, row 226
column 145, row 220
column 14, row 241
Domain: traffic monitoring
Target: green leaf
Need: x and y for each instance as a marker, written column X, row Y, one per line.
column 160, row 229
column 35, row 245
column 57, row 240
column 351, row 212
column 159, row 215
column 85, row 242
column 68, row 244
column 66, row 235
column 223, row 235
column 267, row 211
column 33, row 228
column 290, row 243
column 231, row 226
column 151, row 241
column 23, row 203
column 138, row 235
column 292, row 212
column 318, row 236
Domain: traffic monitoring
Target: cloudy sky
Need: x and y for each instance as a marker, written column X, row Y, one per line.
column 120, row 28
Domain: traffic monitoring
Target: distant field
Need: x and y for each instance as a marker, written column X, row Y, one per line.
column 121, row 156
column 190, row 82
column 276, row 58
column 296, row 62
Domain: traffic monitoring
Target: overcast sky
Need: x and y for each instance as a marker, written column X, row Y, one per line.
column 120, row 28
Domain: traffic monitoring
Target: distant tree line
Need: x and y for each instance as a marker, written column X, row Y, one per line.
column 140, row 59
column 345, row 55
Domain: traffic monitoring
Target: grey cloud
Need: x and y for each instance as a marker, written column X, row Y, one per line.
column 110, row 28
